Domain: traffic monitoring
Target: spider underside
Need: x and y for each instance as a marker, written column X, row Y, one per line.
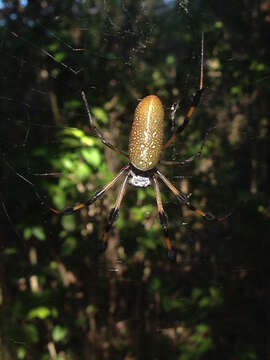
column 139, row 178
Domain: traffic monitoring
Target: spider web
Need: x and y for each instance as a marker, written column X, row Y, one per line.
column 54, row 69
column 33, row 118
column 49, row 157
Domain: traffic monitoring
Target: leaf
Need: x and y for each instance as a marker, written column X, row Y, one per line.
column 100, row 114
column 59, row 333
column 40, row 312
column 92, row 156
column 60, row 56
column 68, row 222
column 39, row 233
column 36, row 231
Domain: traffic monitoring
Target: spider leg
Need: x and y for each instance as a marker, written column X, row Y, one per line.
column 163, row 221
column 71, row 209
column 183, row 162
column 185, row 200
column 189, row 160
column 97, row 132
column 194, row 104
column 114, row 213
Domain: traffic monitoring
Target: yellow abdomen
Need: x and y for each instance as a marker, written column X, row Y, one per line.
column 146, row 138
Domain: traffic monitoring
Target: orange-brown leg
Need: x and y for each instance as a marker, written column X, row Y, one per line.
column 71, row 209
column 164, row 221
column 184, row 200
column 114, row 213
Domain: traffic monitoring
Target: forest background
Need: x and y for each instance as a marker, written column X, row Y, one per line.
column 58, row 299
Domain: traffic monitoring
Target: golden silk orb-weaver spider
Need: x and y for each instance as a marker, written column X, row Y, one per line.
column 145, row 148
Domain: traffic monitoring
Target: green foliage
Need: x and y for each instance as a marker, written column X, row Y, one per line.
column 100, row 114
column 36, row 232
column 199, row 344
column 41, row 312
column 59, row 333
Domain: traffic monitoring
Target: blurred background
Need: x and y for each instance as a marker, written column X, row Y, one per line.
column 58, row 300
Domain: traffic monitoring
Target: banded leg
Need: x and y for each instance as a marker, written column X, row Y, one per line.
column 97, row 132
column 194, row 104
column 114, row 213
column 184, row 200
column 97, row 195
column 163, row 221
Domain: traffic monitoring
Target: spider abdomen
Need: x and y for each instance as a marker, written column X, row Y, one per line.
column 146, row 138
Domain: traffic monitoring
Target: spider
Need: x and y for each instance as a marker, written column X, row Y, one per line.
column 145, row 148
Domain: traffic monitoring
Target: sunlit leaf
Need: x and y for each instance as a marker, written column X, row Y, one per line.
column 27, row 233
column 82, row 171
column 40, row 312
column 100, row 114
column 68, row 222
column 257, row 66
column 36, row 231
column 21, row 352
column 59, row 333
column 39, row 233
column 74, row 132
column 88, row 140
column 92, row 156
